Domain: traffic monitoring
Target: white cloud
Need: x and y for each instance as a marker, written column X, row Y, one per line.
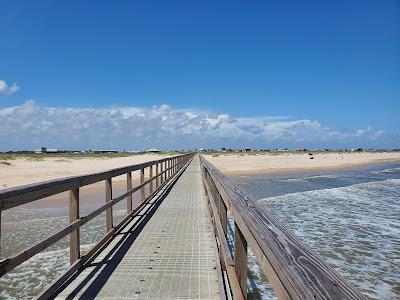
column 6, row 89
column 30, row 126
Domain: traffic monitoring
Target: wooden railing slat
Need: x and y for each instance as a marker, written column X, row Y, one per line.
column 128, row 189
column 109, row 210
column 73, row 216
column 142, row 190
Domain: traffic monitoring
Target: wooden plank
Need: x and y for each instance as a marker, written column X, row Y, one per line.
column 151, row 180
column 142, row 190
column 128, row 188
column 226, row 258
column 157, row 177
column 161, row 173
column 0, row 233
column 241, row 259
column 292, row 268
column 74, row 240
column 109, row 211
column 223, row 214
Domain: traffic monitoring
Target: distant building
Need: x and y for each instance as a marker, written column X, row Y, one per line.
column 153, row 150
column 103, row 151
column 46, row 150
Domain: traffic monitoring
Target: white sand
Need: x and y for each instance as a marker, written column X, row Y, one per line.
column 23, row 171
column 249, row 164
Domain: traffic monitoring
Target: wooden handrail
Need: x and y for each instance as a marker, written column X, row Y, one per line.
column 20, row 195
column 16, row 196
column 292, row 268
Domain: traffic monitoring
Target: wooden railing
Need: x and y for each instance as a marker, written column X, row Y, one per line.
column 293, row 269
column 164, row 170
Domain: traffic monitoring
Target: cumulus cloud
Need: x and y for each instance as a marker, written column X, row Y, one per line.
column 6, row 89
column 30, row 126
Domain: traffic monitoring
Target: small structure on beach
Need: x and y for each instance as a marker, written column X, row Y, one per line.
column 153, row 150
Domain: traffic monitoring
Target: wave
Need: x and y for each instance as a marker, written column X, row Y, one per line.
column 386, row 171
column 31, row 277
column 355, row 228
column 389, row 185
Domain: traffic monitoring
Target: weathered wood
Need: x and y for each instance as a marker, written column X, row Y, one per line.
column 142, row 190
column 162, row 172
column 151, row 180
column 109, row 211
column 225, row 255
column 128, row 188
column 241, row 259
column 223, row 214
column 74, row 240
column 0, row 233
column 293, row 269
column 157, row 177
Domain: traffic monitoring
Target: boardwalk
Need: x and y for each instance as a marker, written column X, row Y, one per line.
column 173, row 256
column 174, row 244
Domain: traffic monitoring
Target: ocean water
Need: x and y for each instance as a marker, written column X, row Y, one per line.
column 350, row 218
column 23, row 227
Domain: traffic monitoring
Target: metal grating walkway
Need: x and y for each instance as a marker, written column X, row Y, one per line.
column 173, row 257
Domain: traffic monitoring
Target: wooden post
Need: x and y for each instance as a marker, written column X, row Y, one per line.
column 161, row 172
column 0, row 233
column 151, row 181
column 158, row 177
column 74, row 244
column 241, row 259
column 129, row 187
column 223, row 214
column 142, row 190
column 109, row 211
column 176, row 165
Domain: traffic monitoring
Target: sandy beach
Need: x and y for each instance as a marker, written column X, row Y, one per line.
column 266, row 163
column 22, row 170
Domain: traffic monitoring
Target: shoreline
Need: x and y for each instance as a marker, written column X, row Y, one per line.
column 253, row 165
column 284, row 171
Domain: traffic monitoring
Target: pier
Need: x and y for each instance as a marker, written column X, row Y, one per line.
column 173, row 245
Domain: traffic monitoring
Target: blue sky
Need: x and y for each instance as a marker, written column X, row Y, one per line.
column 270, row 63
